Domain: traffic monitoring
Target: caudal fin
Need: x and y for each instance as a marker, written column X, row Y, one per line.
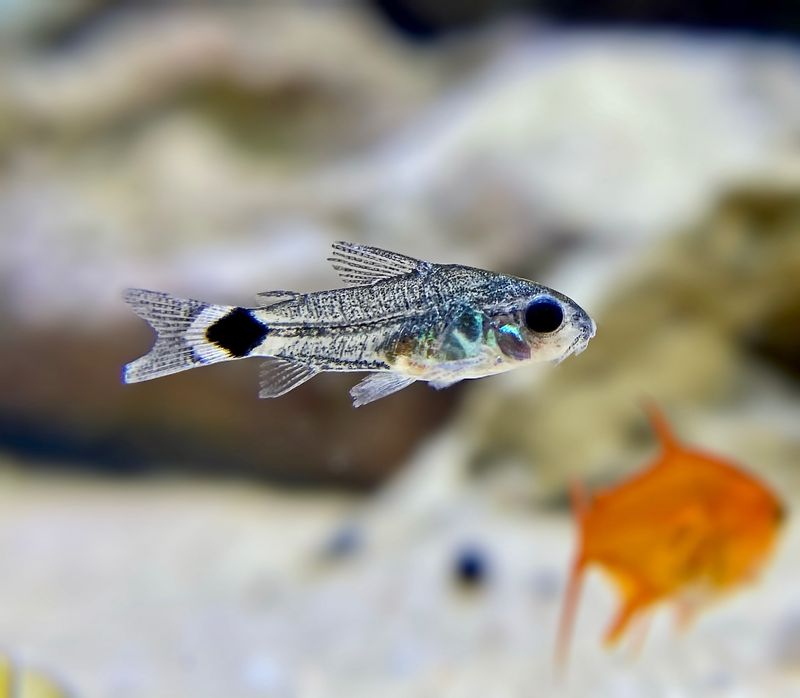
column 181, row 327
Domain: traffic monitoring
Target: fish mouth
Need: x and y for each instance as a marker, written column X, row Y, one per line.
column 582, row 340
column 586, row 337
column 579, row 344
column 573, row 347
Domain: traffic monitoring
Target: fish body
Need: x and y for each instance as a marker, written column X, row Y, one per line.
column 690, row 527
column 401, row 319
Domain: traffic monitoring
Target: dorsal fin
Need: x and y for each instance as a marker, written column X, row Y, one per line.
column 363, row 265
column 580, row 500
column 666, row 437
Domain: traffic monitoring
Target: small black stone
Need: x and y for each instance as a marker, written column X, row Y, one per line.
column 345, row 542
column 238, row 332
column 471, row 567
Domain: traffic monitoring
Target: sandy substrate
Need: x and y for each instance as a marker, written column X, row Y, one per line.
column 176, row 588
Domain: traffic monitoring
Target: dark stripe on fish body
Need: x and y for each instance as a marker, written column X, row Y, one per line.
column 333, row 363
column 238, row 332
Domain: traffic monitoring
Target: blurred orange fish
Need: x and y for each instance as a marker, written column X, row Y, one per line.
column 690, row 527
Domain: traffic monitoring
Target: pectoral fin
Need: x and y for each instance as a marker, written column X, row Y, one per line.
column 378, row 385
column 442, row 383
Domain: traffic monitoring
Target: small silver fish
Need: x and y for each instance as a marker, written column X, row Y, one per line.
column 402, row 319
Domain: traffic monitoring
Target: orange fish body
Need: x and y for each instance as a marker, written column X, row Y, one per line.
column 689, row 527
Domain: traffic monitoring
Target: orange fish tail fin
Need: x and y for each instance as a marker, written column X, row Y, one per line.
column 661, row 427
column 623, row 619
column 685, row 613
column 641, row 626
column 567, row 621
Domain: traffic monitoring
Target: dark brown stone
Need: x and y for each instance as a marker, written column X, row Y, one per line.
column 61, row 397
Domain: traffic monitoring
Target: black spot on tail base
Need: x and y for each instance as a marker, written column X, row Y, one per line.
column 238, row 332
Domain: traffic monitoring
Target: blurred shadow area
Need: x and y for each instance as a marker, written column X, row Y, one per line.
column 69, row 407
column 423, row 19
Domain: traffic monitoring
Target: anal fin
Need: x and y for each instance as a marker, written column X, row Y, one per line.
column 279, row 376
column 378, row 385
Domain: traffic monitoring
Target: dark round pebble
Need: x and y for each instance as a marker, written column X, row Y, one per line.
column 471, row 567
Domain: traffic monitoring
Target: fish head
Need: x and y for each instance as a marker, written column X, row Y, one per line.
column 753, row 517
column 539, row 324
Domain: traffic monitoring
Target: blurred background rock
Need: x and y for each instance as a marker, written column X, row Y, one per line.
column 643, row 157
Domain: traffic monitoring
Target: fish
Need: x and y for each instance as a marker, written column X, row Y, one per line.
column 26, row 682
column 399, row 318
column 690, row 527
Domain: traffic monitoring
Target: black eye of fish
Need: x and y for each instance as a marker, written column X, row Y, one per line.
column 544, row 315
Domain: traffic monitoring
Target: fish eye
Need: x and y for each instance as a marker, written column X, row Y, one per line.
column 544, row 315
